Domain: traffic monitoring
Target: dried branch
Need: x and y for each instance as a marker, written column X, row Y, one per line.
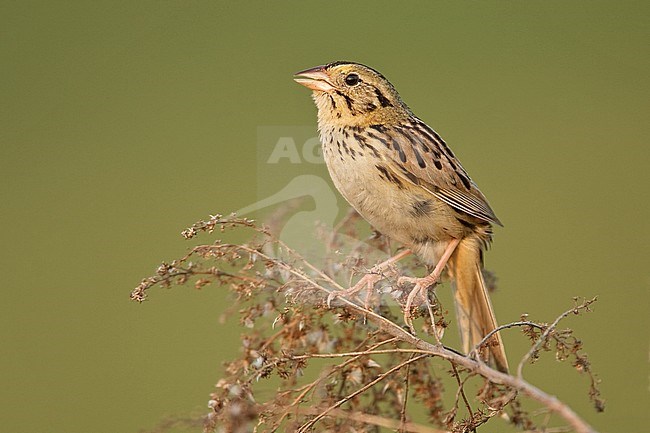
column 547, row 332
column 258, row 271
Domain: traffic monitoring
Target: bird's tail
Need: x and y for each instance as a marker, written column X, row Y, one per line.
column 473, row 308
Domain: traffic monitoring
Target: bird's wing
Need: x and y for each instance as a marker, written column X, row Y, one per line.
column 418, row 154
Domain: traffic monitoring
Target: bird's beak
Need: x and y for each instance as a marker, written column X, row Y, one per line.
column 314, row 79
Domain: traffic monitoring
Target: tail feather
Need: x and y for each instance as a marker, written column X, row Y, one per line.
column 473, row 308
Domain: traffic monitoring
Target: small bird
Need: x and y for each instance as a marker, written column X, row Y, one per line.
column 405, row 181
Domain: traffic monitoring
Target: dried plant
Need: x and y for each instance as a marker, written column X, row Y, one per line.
column 352, row 366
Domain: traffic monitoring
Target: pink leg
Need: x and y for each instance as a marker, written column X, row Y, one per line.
column 368, row 281
column 421, row 284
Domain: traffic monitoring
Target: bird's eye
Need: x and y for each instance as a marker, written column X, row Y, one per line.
column 352, row 79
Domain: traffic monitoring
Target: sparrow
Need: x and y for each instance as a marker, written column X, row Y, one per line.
column 402, row 178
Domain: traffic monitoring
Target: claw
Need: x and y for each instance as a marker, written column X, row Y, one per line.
column 330, row 298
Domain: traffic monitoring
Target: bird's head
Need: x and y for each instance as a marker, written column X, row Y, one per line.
column 348, row 93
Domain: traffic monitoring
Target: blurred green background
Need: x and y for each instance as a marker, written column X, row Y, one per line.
column 123, row 122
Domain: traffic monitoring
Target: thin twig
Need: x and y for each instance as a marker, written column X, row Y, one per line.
column 402, row 412
column 433, row 320
column 360, row 353
column 548, row 331
column 480, row 344
column 461, row 390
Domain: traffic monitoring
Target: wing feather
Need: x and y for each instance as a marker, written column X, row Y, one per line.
column 418, row 155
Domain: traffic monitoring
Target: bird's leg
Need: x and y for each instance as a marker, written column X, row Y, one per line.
column 422, row 284
column 368, row 281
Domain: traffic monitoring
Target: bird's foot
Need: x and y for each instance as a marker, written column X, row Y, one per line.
column 366, row 282
column 417, row 294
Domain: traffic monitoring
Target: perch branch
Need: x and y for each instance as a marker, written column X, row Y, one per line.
column 473, row 366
